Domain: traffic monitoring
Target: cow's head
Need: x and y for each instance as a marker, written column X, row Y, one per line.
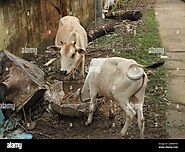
column 71, row 56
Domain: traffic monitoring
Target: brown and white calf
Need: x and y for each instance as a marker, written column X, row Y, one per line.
column 71, row 41
column 121, row 80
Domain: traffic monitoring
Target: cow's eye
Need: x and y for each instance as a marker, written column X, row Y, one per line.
column 73, row 55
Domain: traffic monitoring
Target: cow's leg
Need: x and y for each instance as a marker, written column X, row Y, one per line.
column 83, row 67
column 72, row 76
column 93, row 94
column 139, row 101
column 91, row 110
column 103, row 15
column 139, row 107
column 111, row 112
column 140, row 118
column 130, row 113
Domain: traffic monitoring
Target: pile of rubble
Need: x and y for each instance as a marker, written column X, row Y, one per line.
column 22, row 86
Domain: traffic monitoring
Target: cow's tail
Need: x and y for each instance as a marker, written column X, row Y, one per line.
column 154, row 65
column 144, row 81
column 57, row 8
column 135, row 71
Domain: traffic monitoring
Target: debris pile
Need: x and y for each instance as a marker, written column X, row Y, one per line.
column 22, row 86
column 65, row 104
column 24, row 81
column 9, row 129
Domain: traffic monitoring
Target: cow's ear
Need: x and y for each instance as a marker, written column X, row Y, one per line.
column 54, row 48
column 81, row 51
column 61, row 42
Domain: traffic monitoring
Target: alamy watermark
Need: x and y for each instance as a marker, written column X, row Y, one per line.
column 14, row 145
column 7, row 106
column 29, row 50
column 157, row 50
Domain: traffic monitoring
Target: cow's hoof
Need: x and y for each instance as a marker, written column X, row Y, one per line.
column 122, row 137
column 123, row 133
column 87, row 123
column 142, row 136
column 71, row 78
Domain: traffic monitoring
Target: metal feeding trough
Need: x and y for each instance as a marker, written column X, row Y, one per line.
column 65, row 104
column 24, row 80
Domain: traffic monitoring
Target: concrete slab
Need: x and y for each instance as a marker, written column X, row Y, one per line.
column 170, row 15
column 171, row 21
column 176, row 90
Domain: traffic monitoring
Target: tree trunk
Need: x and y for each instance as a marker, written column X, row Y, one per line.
column 129, row 15
column 99, row 31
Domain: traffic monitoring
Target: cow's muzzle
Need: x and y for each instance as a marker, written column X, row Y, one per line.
column 63, row 72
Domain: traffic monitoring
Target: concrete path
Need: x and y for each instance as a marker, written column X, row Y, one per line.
column 170, row 15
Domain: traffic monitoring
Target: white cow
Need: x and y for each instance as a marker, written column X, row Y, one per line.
column 71, row 41
column 121, row 80
column 106, row 5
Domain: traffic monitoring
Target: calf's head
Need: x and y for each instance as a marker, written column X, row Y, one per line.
column 70, row 58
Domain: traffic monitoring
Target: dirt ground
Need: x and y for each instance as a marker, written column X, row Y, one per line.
column 55, row 126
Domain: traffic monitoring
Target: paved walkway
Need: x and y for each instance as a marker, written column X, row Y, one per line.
column 171, row 19
column 170, row 15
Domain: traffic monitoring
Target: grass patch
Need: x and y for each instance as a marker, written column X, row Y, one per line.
column 147, row 37
column 119, row 2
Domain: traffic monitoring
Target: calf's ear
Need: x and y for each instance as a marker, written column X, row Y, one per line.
column 53, row 48
column 81, row 51
column 61, row 43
